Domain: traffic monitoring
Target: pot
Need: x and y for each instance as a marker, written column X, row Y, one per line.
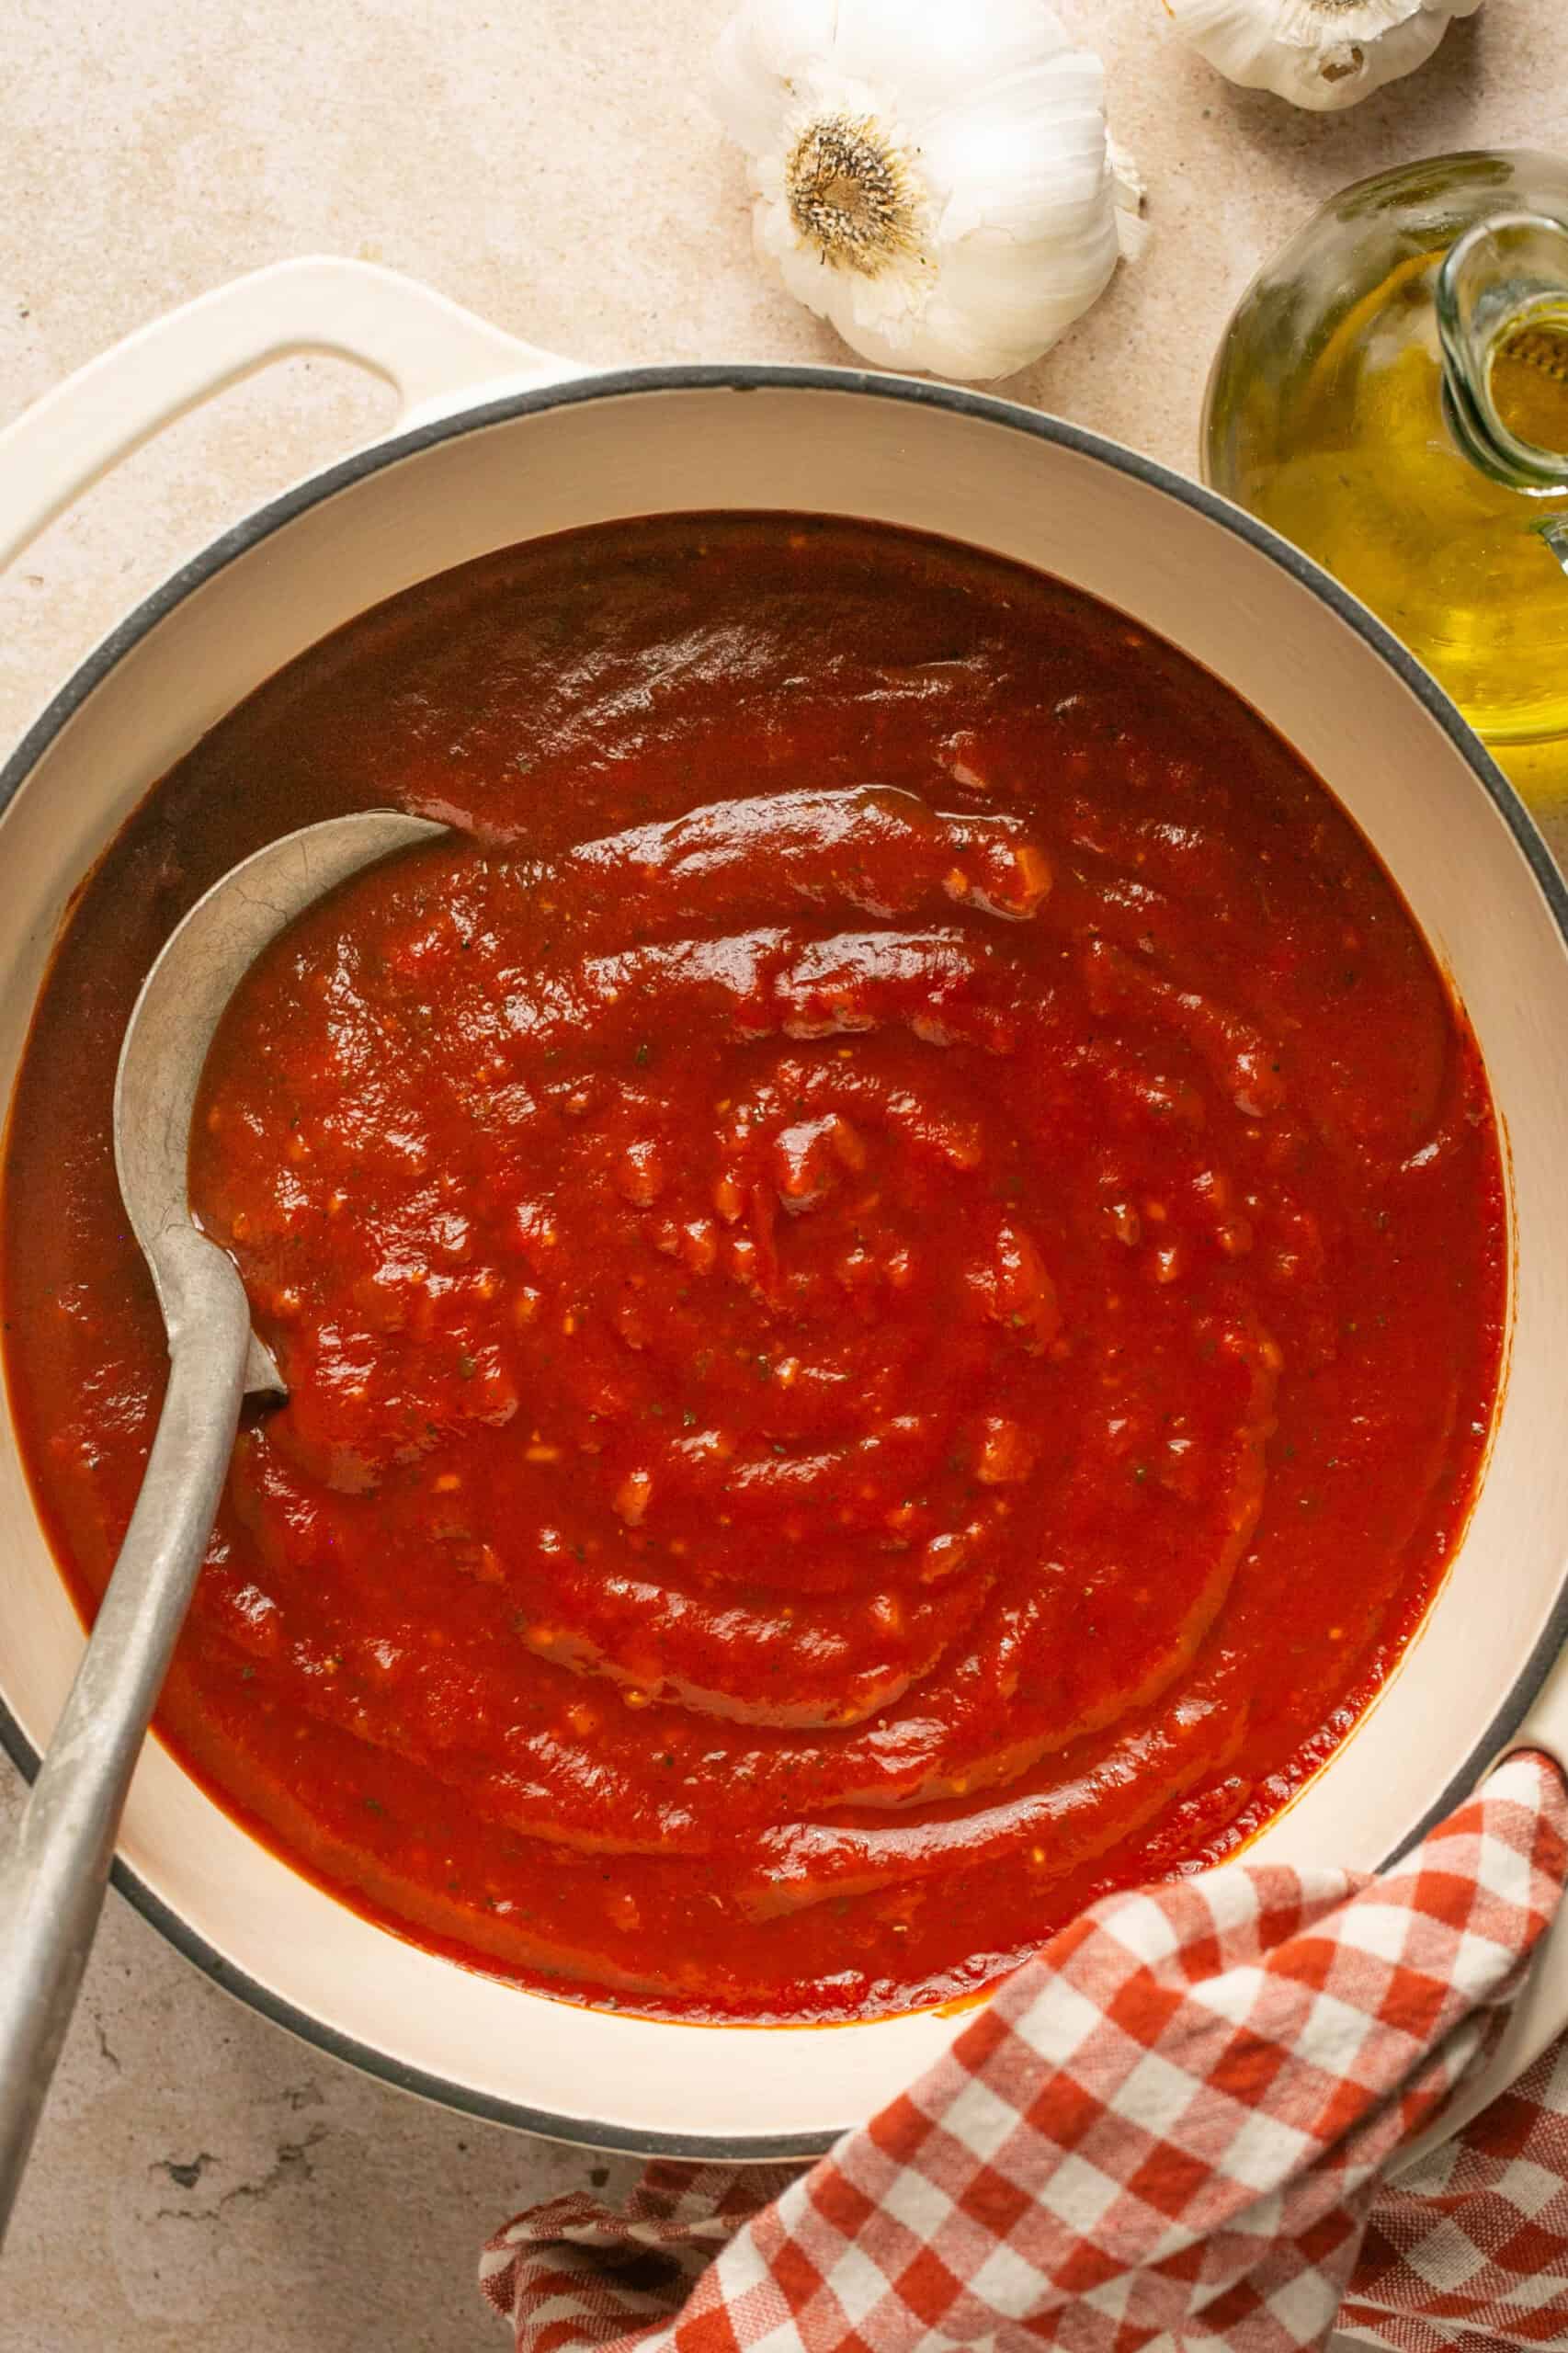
column 499, row 443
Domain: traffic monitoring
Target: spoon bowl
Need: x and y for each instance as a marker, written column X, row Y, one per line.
column 181, row 1003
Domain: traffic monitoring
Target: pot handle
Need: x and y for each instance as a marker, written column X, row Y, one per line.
column 1540, row 2012
column 431, row 350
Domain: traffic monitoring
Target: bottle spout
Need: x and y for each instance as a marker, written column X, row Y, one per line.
column 1503, row 320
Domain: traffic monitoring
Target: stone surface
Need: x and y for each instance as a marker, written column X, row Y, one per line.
column 200, row 2176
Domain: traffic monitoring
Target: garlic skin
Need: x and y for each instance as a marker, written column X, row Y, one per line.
column 931, row 176
column 1323, row 54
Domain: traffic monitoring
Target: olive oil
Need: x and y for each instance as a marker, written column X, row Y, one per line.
column 1412, row 435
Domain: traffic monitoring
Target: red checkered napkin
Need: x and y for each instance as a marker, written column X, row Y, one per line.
column 1170, row 2125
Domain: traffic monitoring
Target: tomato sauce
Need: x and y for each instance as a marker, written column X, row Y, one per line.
column 889, row 1263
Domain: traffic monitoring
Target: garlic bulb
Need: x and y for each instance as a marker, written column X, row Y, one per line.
column 933, row 176
column 1319, row 53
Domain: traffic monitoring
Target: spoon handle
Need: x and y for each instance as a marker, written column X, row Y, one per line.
column 52, row 1884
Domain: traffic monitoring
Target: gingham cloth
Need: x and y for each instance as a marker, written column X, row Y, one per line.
column 1171, row 2126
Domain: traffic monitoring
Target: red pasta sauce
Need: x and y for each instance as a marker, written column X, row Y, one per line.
column 890, row 1268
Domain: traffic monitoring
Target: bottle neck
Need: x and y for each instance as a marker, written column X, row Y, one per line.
column 1502, row 319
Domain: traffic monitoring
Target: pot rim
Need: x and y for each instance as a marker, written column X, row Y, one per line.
column 747, row 377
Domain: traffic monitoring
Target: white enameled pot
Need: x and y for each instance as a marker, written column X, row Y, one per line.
column 499, row 443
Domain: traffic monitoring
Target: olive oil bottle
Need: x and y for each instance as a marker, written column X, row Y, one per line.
column 1393, row 396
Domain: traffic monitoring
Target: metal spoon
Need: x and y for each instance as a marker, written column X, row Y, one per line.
column 52, row 1884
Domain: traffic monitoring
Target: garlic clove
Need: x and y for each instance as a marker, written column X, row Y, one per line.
column 980, row 281
column 940, row 51
column 1129, row 196
column 760, row 54
column 1026, row 161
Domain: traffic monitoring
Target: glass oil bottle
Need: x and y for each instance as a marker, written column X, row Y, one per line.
column 1393, row 396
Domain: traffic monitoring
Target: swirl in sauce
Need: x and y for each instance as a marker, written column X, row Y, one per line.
column 794, row 1301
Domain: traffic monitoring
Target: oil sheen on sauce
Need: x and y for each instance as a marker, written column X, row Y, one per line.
column 889, row 1264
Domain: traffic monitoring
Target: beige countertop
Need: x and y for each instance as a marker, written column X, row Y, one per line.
column 200, row 2176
